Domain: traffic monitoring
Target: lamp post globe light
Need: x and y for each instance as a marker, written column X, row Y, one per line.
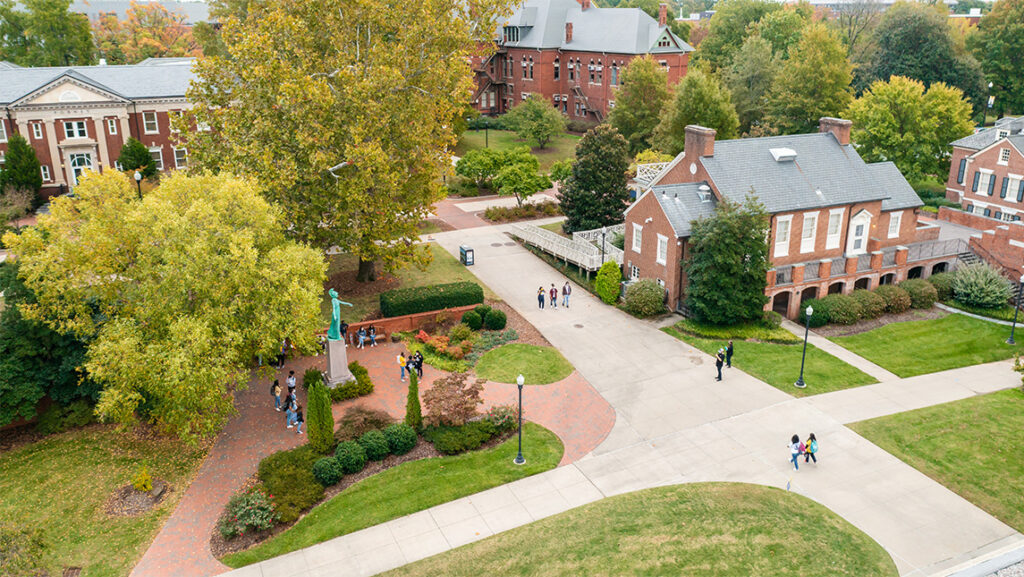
column 1016, row 309
column 519, row 460
column 138, row 182
column 807, row 329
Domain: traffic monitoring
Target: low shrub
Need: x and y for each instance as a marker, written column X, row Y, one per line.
column 1002, row 313
column 375, row 445
column 288, row 478
column 841, row 309
column 819, row 316
column 495, row 320
column 358, row 421
column 872, row 306
column 453, row 440
column 943, row 283
column 460, row 332
column 401, row 438
column 527, row 211
column 311, row 377
column 505, row 418
column 482, row 310
column 473, row 320
column 58, row 419
column 360, row 387
column 351, row 457
column 896, row 299
column 452, row 400
column 771, row 320
column 607, row 285
column 142, row 481
column 644, row 298
column 922, row 294
column 439, row 361
column 488, row 340
column 455, row 351
column 437, row 343
column 21, row 550
column 982, row 286
column 327, row 471
column 407, row 301
column 740, row 331
column 249, row 510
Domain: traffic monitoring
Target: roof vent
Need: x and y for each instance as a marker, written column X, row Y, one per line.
column 704, row 192
column 783, row 154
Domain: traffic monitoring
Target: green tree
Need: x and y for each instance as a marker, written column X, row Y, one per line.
column 639, row 102
column 607, row 283
column 35, row 360
column 480, row 165
column 521, row 180
column 814, row 82
column 700, row 99
column 535, row 119
column 21, row 167
column 175, row 294
column 782, row 29
column 749, row 78
column 320, row 418
column 46, row 33
column 374, row 89
column 560, row 170
column 728, row 264
column 729, row 27
column 1000, row 47
column 413, row 411
column 595, row 193
column 135, row 156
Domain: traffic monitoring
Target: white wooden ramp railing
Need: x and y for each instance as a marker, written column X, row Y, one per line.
column 583, row 254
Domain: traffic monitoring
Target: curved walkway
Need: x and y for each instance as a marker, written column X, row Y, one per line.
column 950, row 309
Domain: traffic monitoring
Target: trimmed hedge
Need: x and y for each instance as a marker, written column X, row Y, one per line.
column 452, row 440
column 482, row 310
column 838, row 309
column 360, row 387
column 407, row 301
column 943, row 283
column 375, row 445
column 288, row 476
column 351, row 457
column 872, row 306
column 645, row 298
column 818, row 319
column 473, row 320
column 401, row 438
column 922, row 294
column 897, row 300
column 495, row 320
column 327, row 471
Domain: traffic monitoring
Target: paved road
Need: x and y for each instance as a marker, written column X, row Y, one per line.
column 674, row 424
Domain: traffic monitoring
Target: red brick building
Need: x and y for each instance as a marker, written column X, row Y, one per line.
column 572, row 53
column 78, row 118
column 837, row 223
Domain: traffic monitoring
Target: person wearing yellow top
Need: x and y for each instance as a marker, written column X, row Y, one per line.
column 401, row 364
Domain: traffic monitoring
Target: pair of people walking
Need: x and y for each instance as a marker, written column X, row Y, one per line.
column 552, row 294
column 808, row 450
column 723, row 358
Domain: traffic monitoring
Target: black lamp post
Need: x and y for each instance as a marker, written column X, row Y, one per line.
column 519, row 460
column 138, row 183
column 807, row 330
column 1016, row 309
column 604, row 232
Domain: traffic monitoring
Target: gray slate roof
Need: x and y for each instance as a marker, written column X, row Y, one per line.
column 823, row 174
column 989, row 136
column 682, row 205
column 192, row 11
column 1018, row 141
column 131, row 82
column 612, row 30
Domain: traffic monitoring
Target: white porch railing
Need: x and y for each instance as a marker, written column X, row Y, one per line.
column 645, row 173
column 583, row 254
column 594, row 235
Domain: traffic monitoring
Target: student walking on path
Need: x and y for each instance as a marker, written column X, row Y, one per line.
column 291, row 381
column 554, row 296
column 299, row 419
column 289, row 408
column 540, row 298
column 719, row 361
column 275, row 389
column 728, row 355
column 401, row 364
column 566, row 291
column 795, row 448
column 811, row 449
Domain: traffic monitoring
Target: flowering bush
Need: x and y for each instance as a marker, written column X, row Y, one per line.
column 422, row 336
column 251, row 510
column 503, row 417
column 437, row 343
column 452, row 400
column 455, row 352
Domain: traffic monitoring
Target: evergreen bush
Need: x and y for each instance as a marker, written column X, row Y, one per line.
column 401, row 438
column 351, row 457
column 896, row 299
column 407, row 301
column 495, row 320
column 319, row 419
column 375, row 445
column 451, row 440
column 943, row 283
column 288, row 477
column 922, row 294
column 872, row 305
column 473, row 320
column 327, row 471
column 413, row 411
column 645, row 298
column 982, row 286
column 608, row 279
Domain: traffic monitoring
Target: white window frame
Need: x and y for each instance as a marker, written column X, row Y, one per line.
column 1004, row 157
column 851, row 237
column 77, row 129
column 1012, row 186
column 895, row 218
column 634, row 272
column 44, row 171
column 147, row 118
column 178, row 165
column 159, row 159
column 807, row 242
column 661, row 257
column 1001, row 134
column 37, row 130
column 638, row 237
column 986, row 175
column 782, row 244
column 3, row 132
column 833, row 239
column 112, row 126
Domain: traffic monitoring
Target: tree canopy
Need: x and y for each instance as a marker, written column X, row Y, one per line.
column 135, row 156
column 595, row 193
column 21, row 167
column 728, row 264
column 639, row 102
column 750, row 78
column 148, row 31
column 729, row 27
column 700, row 99
column 1000, row 47
column 174, row 294
column 521, row 180
column 375, row 89
column 535, row 119
column 45, row 33
column 782, row 28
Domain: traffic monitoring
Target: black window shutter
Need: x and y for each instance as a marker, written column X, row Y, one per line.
column 1020, row 192
column 977, row 177
column 1002, row 192
column 991, row 184
column 960, row 173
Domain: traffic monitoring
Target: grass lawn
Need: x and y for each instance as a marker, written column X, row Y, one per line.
column 779, row 365
column 697, row 530
column 1004, row 313
column 561, row 147
column 919, row 347
column 538, row 365
column 60, row 485
column 740, row 331
column 556, row 227
column 972, row 446
column 411, row 487
column 443, row 268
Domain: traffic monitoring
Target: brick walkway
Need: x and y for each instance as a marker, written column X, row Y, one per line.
column 571, row 408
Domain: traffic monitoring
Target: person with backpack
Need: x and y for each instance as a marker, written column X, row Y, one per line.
column 418, row 362
column 566, row 291
column 291, row 381
column 795, row 448
column 811, row 449
column 299, row 419
column 554, row 296
column 540, row 298
column 275, row 390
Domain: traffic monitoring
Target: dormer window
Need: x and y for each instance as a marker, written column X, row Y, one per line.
column 1003, row 134
column 664, row 42
column 704, row 193
column 511, row 33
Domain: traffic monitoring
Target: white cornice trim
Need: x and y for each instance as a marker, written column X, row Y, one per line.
column 61, row 81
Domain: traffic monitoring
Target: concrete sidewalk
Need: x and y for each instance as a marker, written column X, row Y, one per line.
column 839, row 352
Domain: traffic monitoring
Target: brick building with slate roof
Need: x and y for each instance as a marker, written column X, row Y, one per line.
column 572, row 53
column 77, row 118
column 837, row 222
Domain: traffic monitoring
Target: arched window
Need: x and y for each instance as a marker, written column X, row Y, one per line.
column 557, row 68
column 590, row 68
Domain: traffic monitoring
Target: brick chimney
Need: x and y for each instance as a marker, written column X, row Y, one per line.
column 584, row 4
column 699, row 141
column 663, row 15
column 568, row 32
column 837, row 126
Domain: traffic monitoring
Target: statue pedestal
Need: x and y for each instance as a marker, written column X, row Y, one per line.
column 337, row 364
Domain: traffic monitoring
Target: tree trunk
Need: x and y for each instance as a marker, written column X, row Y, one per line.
column 367, row 271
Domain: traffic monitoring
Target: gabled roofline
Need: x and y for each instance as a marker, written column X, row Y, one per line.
column 995, row 144
column 73, row 77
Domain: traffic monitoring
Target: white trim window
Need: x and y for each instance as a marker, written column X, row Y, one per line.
column 809, row 232
column 75, row 129
column 1004, row 156
column 149, row 123
column 835, row 228
column 857, row 241
column 634, row 272
column 782, row 225
column 172, row 118
column 985, row 181
column 37, row 130
column 638, row 237
column 112, row 126
column 895, row 220
column 180, row 158
column 662, row 255
column 44, row 171
column 3, row 132
column 158, row 157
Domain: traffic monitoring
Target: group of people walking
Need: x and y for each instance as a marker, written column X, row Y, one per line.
column 808, row 449
column 552, row 294
column 293, row 416
column 410, row 363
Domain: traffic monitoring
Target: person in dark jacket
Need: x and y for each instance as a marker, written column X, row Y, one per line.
column 299, row 419
column 728, row 355
column 719, row 361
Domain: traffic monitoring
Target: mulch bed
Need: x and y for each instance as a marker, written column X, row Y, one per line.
column 870, row 324
column 128, row 502
column 527, row 332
